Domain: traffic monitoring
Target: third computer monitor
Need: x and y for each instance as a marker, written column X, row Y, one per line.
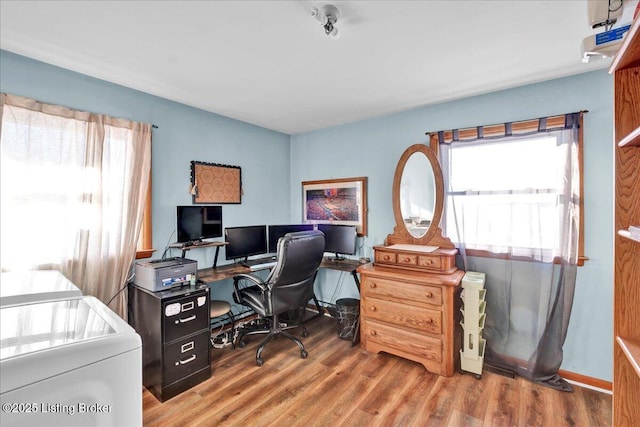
column 339, row 239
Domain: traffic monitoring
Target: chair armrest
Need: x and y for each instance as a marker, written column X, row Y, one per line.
column 250, row 277
column 239, row 279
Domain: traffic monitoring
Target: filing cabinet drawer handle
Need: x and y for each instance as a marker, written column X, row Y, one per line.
column 188, row 319
column 185, row 361
column 187, row 347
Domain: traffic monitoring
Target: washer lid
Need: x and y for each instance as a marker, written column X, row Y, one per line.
column 42, row 340
column 27, row 287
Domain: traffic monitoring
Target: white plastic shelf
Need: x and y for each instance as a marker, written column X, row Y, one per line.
column 473, row 308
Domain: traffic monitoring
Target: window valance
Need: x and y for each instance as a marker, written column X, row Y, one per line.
column 521, row 128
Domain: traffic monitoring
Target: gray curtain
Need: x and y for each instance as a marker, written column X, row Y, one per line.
column 530, row 288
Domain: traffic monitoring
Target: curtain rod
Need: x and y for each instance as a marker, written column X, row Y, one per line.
column 526, row 120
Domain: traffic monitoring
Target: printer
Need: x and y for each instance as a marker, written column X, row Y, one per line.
column 162, row 274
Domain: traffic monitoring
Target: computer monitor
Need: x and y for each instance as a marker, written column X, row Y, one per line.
column 339, row 239
column 278, row 231
column 195, row 223
column 242, row 242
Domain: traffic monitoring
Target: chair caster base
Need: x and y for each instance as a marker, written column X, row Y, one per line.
column 259, row 361
column 303, row 354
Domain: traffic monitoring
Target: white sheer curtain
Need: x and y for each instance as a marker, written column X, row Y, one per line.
column 513, row 208
column 73, row 189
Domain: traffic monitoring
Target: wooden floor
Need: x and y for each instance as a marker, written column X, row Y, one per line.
column 340, row 385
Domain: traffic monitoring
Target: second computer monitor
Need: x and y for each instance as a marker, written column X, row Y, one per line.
column 339, row 239
column 278, row 231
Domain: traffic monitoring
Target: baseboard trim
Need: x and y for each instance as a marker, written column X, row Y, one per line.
column 586, row 381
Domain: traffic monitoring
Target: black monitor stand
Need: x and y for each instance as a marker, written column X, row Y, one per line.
column 337, row 257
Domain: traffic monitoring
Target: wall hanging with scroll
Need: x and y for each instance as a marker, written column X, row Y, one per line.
column 214, row 183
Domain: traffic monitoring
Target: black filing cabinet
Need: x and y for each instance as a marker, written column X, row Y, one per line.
column 174, row 326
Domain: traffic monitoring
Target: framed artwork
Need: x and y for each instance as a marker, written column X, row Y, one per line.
column 336, row 201
column 214, row 183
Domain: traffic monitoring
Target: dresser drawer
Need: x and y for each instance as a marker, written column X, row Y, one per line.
column 186, row 356
column 430, row 262
column 403, row 315
column 407, row 259
column 184, row 316
column 396, row 290
column 422, row 346
column 385, row 257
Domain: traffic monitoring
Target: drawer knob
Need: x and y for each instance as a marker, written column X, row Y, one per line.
column 372, row 285
column 429, row 295
column 373, row 308
column 386, row 257
column 407, row 259
column 373, row 333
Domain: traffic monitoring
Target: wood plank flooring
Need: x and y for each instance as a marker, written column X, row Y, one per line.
column 340, row 385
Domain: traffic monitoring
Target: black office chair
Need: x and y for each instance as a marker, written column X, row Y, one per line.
column 288, row 287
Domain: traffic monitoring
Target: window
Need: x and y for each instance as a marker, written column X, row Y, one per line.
column 506, row 196
column 73, row 187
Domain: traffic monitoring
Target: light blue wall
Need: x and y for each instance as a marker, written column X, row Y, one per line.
column 273, row 169
column 184, row 134
column 372, row 148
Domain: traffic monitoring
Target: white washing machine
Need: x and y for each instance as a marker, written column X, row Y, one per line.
column 69, row 363
column 25, row 287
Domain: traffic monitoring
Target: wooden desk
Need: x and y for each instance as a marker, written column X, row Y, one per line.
column 349, row 265
column 222, row 272
column 228, row 271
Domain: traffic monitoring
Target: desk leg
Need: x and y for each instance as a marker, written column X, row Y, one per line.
column 356, row 333
column 354, row 273
column 215, row 258
column 320, row 311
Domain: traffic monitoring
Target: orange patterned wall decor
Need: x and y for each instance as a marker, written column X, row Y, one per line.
column 214, row 183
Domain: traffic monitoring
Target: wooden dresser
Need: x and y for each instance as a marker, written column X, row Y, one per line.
column 410, row 297
column 412, row 314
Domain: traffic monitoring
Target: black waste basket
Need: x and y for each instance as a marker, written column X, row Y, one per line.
column 347, row 312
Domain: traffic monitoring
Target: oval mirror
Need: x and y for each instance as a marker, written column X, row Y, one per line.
column 418, row 193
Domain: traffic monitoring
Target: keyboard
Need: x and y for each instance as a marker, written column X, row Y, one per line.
column 262, row 266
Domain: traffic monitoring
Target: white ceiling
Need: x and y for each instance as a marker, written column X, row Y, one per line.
column 269, row 62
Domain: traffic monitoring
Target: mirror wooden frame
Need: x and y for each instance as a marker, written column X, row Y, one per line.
column 433, row 236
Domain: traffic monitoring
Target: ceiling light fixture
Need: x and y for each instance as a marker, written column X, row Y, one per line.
column 328, row 16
